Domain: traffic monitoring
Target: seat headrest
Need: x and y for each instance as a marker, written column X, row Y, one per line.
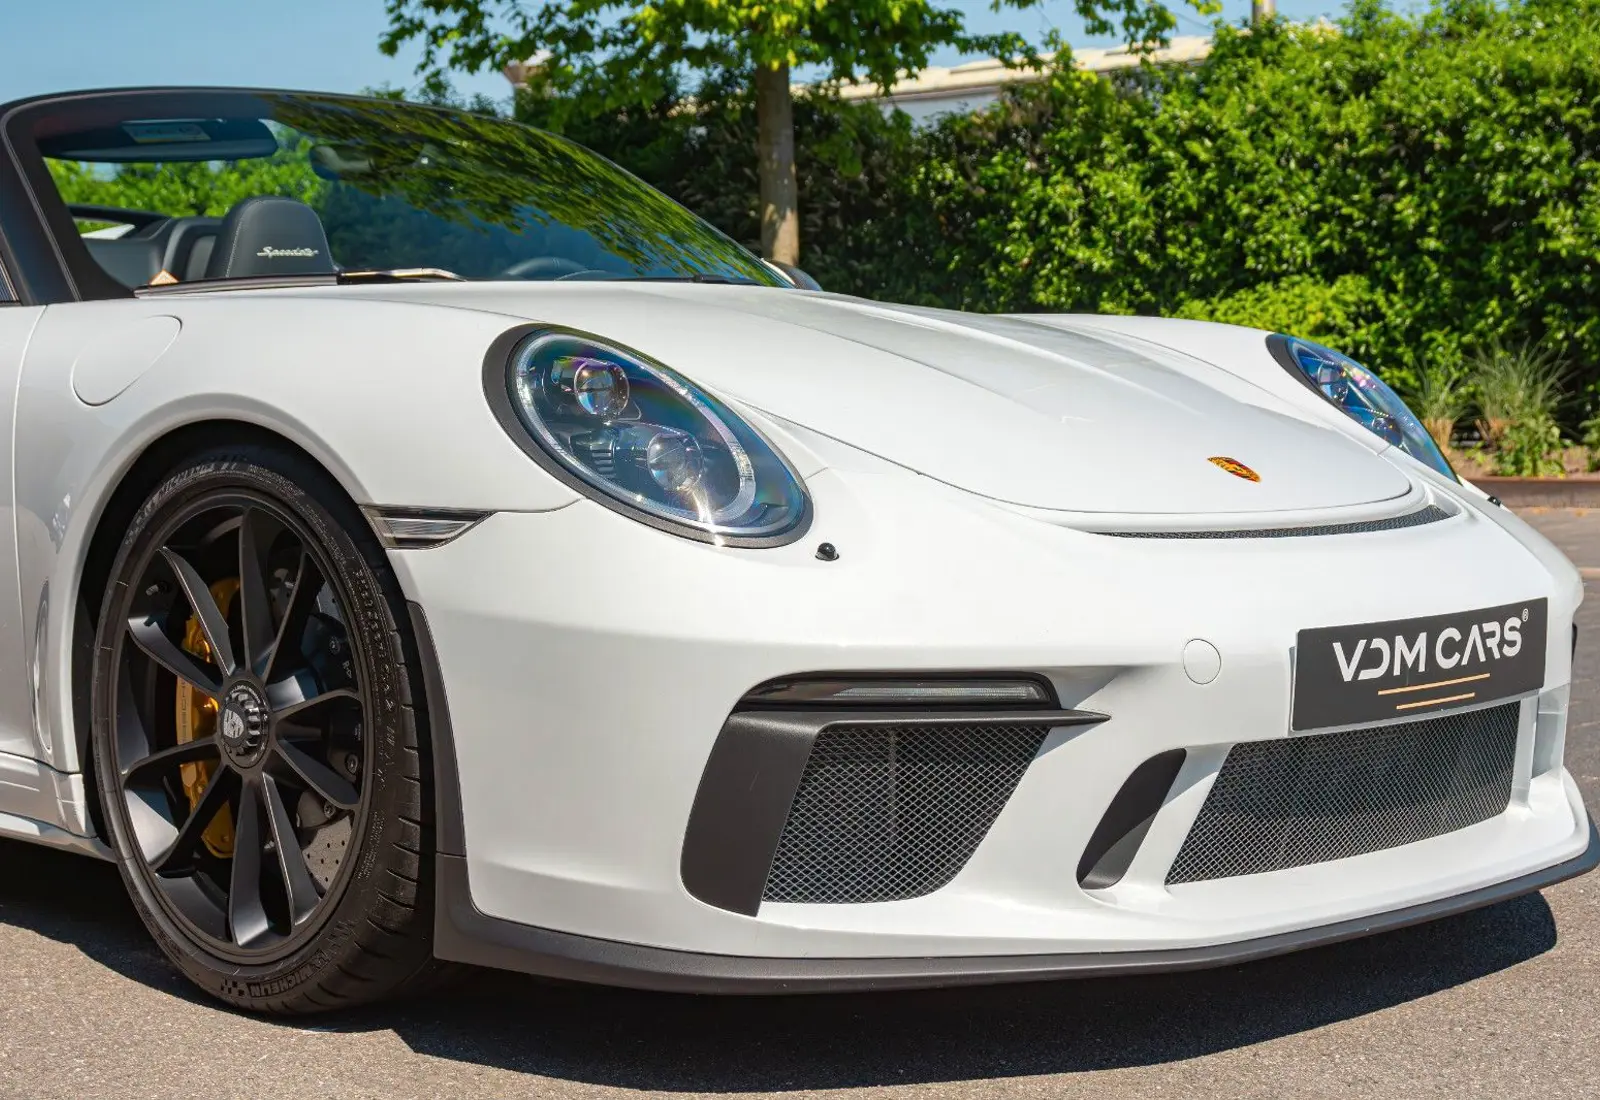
column 267, row 235
column 130, row 262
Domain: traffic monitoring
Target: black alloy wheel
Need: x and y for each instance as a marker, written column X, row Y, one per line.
column 256, row 750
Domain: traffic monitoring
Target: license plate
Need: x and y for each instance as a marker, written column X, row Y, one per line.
column 1404, row 668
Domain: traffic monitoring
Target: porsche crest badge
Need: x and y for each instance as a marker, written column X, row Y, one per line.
column 1234, row 467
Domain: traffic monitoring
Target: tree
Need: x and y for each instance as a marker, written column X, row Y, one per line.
column 610, row 54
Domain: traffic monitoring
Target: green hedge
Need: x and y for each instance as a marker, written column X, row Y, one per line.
column 1403, row 188
column 1409, row 186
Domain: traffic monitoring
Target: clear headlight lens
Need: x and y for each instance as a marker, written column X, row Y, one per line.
column 647, row 440
column 1360, row 395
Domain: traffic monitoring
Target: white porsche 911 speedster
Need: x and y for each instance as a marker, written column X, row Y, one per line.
column 458, row 551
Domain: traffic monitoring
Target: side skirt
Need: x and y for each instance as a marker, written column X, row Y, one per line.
column 13, row 827
column 40, row 804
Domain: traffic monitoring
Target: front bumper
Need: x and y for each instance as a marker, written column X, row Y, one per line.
column 463, row 934
column 589, row 665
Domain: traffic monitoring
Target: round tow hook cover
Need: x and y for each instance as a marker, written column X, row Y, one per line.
column 1201, row 661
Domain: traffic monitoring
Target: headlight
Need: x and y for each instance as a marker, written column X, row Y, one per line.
column 639, row 437
column 1360, row 395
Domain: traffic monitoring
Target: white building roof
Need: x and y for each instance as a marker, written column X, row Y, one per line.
column 990, row 75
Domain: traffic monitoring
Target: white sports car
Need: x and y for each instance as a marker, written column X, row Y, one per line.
column 459, row 551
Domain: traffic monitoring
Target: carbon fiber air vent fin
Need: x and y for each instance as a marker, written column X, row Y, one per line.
column 1432, row 513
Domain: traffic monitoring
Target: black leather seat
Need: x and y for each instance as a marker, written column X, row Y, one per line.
column 130, row 261
column 189, row 244
column 268, row 235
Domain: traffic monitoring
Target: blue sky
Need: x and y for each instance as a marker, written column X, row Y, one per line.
column 328, row 45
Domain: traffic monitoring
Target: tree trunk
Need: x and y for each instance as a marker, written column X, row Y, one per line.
column 780, row 187
column 1261, row 11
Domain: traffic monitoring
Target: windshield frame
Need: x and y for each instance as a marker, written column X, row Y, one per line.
column 54, row 234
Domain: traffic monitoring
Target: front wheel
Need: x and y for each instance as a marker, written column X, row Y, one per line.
column 255, row 744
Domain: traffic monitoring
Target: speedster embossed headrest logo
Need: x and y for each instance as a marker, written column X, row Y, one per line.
column 1234, row 467
column 270, row 253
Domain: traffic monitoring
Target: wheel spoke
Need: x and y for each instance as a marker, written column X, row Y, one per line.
column 247, row 917
column 297, row 881
column 133, row 742
column 302, row 599
column 322, row 780
column 179, row 855
column 203, row 748
column 256, row 529
column 200, row 903
column 212, row 622
column 288, row 700
column 148, row 635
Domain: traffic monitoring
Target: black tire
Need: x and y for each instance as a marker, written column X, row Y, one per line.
column 355, row 754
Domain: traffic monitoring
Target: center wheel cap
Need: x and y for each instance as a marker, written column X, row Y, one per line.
column 245, row 717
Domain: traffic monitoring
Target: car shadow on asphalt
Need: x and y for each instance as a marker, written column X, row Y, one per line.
column 672, row 1043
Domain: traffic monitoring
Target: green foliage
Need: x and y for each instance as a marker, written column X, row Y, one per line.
column 1519, row 390
column 1448, row 163
column 1442, row 391
column 1529, row 448
column 1516, row 384
column 1589, row 436
column 613, row 55
column 1440, row 397
column 1347, row 313
column 616, row 53
column 197, row 188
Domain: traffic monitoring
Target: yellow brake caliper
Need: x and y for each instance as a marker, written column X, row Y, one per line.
column 197, row 717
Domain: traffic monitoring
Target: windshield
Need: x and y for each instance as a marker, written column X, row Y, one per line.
column 324, row 185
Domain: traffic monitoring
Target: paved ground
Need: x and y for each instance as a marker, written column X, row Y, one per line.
column 1499, row 1002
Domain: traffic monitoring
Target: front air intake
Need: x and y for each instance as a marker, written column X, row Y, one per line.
column 1300, row 800
column 888, row 812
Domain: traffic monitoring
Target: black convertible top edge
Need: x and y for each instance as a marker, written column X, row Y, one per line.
column 137, row 90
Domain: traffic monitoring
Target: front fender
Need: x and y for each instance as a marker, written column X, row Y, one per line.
column 387, row 397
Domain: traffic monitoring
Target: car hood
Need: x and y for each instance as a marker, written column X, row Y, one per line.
column 1027, row 413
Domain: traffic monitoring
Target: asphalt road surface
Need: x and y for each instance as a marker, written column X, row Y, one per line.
column 1503, row 1001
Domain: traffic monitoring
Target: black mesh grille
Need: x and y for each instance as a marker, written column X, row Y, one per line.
column 891, row 812
column 1300, row 800
column 1431, row 514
